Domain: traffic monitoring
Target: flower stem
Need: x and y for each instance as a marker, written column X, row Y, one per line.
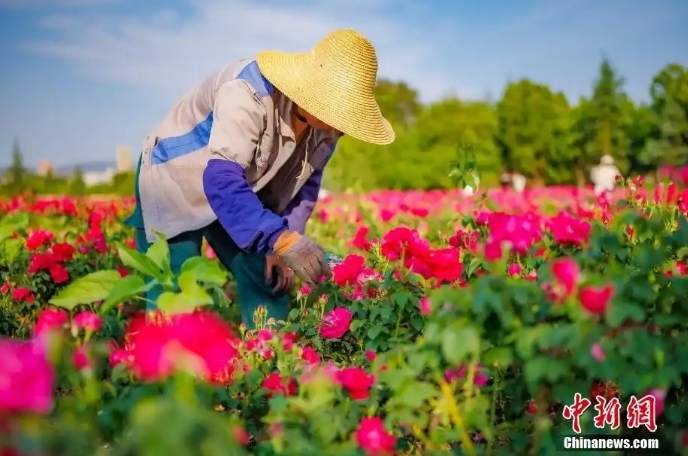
column 456, row 417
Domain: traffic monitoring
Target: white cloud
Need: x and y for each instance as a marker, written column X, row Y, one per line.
column 170, row 53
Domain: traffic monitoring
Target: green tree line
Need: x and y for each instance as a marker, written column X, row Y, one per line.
column 18, row 179
column 531, row 129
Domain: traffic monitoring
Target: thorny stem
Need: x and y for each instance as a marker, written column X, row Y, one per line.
column 184, row 388
column 456, row 417
column 469, row 380
column 403, row 255
column 542, row 412
column 493, row 407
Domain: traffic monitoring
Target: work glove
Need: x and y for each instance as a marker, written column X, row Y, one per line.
column 303, row 256
column 278, row 275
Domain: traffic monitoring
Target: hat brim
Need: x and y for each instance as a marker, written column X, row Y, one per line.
column 331, row 98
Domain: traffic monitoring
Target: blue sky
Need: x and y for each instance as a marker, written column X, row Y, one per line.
column 80, row 77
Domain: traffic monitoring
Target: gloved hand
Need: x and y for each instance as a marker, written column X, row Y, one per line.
column 303, row 256
column 278, row 275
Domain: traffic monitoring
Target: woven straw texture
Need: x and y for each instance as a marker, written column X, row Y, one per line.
column 334, row 82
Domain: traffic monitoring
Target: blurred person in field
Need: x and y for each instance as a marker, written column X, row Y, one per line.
column 505, row 180
column 513, row 180
column 239, row 160
column 603, row 176
column 518, row 182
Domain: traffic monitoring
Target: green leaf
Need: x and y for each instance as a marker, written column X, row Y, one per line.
column 124, row 290
column 386, row 313
column 392, row 378
column 279, row 403
column 620, row 311
column 174, row 303
column 11, row 249
column 417, row 322
column 9, row 224
column 191, row 297
column 253, row 379
column 402, row 298
column 473, row 265
column 415, row 394
column 526, row 340
column 460, row 343
column 159, row 253
column 356, row 324
column 87, row 289
column 19, row 220
column 498, row 357
column 557, row 336
column 188, row 283
column 6, row 232
column 138, row 261
column 205, row 270
column 543, row 368
column 374, row 331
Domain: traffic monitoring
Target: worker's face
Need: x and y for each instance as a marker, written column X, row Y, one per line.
column 312, row 121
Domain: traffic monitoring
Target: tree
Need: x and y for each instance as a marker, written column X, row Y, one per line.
column 669, row 92
column 581, row 132
column 436, row 133
column 604, row 132
column 535, row 132
column 17, row 171
column 398, row 102
column 77, row 185
column 642, row 129
column 361, row 166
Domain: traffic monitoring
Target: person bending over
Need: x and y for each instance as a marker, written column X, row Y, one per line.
column 239, row 160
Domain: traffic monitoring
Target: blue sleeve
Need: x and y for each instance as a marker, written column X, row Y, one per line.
column 301, row 207
column 238, row 209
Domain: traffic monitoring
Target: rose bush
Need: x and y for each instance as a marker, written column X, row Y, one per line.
column 455, row 325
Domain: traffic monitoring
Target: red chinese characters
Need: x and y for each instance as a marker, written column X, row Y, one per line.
column 573, row 412
column 642, row 412
column 607, row 412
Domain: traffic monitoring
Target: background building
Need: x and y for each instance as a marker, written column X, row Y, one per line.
column 92, row 178
column 124, row 161
column 44, row 167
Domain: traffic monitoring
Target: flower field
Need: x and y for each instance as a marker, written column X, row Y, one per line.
column 455, row 325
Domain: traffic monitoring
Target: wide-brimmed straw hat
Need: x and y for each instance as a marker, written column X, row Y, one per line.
column 334, row 82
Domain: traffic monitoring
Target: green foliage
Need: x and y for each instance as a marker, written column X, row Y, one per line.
column 17, row 172
column 77, row 186
column 17, row 179
column 462, row 169
column 536, row 132
column 531, row 129
column 669, row 92
column 93, row 287
column 607, row 135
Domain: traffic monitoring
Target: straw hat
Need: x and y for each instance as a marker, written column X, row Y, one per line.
column 334, row 82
